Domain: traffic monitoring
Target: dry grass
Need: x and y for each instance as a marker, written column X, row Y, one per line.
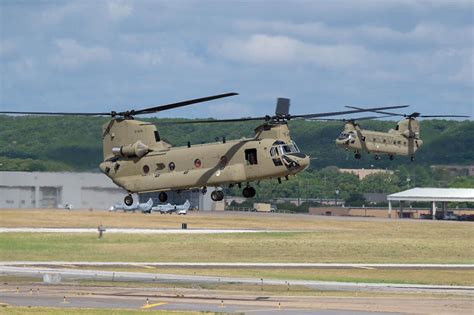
column 379, row 244
column 88, row 219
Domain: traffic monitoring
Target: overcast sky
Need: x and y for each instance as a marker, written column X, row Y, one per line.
column 104, row 55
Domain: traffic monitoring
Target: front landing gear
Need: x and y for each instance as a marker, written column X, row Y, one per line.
column 249, row 192
column 217, row 195
column 357, row 156
column 128, row 200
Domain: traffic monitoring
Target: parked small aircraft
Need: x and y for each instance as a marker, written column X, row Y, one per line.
column 169, row 208
column 143, row 207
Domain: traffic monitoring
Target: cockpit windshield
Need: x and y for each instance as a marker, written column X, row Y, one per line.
column 345, row 135
column 284, row 148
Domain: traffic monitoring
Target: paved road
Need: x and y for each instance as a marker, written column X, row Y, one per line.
column 152, row 277
column 132, row 298
column 241, row 265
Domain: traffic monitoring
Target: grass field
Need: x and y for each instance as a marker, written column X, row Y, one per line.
column 405, row 244
column 317, row 240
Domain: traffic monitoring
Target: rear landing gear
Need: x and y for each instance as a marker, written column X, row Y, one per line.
column 391, row 157
column 217, row 195
column 163, row 196
column 357, row 156
column 128, row 200
column 249, row 192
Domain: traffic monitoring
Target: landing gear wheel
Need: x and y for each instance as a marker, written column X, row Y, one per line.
column 412, row 158
column 128, row 200
column 204, row 190
column 377, row 157
column 357, row 156
column 249, row 192
column 391, row 157
column 217, row 195
column 163, row 196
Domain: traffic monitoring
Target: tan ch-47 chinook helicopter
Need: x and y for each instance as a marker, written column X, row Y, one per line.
column 403, row 140
column 139, row 161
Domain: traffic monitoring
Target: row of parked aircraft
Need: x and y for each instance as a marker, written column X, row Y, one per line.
column 147, row 207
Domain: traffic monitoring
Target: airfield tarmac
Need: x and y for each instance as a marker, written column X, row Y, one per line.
column 90, row 284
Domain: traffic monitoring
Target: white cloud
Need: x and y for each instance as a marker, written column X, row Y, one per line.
column 119, row 9
column 145, row 58
column 265, row 49
column 226, row 110
column 72, row 55
column 362, row 34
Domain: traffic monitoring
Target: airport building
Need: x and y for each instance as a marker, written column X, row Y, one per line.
column 80, row 190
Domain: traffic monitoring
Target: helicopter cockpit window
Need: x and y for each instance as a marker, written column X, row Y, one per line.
column 274, row 151
column 345, row 135
column 157, row 136
column 280, row 148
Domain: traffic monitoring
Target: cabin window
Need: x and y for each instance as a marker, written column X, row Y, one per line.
column 171, row 166
column 157, row 136
column 384, row 140
column 146, row 169
column 197, row 163
column 251, row 156
column 363, row 138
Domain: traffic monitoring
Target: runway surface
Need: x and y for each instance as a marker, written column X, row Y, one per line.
column 136, row 231
column 183, row 299
column 67, row 273
column 201, row 299
column 241, row 265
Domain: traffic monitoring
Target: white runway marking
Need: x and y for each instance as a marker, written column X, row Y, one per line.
column 237, row 265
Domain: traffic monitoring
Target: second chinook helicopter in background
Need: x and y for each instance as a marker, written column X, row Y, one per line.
column 403, row 140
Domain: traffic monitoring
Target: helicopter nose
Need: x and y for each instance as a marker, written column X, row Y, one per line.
column 304, row 162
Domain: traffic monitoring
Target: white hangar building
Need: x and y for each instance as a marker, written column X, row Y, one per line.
column 81, row 190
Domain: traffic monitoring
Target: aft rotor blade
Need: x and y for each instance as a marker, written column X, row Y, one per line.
column 379, row 112
column 351, row 119
column 348, row 112
column 160, row 108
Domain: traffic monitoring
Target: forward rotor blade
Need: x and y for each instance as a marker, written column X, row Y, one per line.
column 413, row 115
column 56, row 113
column 160, row 108
column 215, row 120
column 361, row 110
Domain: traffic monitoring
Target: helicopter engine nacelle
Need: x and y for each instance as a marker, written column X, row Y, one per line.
column 138, row 149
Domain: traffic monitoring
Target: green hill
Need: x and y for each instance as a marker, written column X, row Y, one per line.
column 74, row 143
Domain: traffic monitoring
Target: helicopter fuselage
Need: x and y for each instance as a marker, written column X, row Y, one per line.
column 270, row 154
column 391, row 143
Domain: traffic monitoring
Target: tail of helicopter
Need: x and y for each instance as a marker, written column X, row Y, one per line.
column 129, row 138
